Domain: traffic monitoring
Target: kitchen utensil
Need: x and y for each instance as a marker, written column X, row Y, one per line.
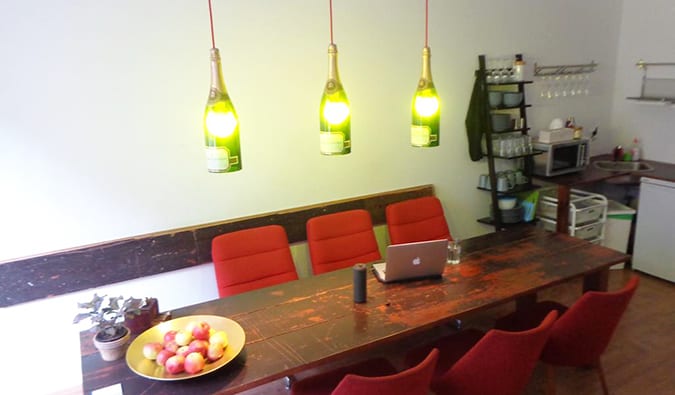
column 495, row 98
column 501, row 122
column 484, row 181
column 503, row 184
column 512, row 99
column 507, row 202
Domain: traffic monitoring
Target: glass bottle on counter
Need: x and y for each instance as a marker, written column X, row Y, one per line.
column 519, row 68
column 635, row 150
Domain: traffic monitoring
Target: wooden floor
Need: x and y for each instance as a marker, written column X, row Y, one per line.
column 640, row 358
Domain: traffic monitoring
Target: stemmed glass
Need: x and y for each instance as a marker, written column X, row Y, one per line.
column 587, row 84
column 556, row 87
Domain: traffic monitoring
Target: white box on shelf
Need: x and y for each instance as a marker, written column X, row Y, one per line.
column 555, row 135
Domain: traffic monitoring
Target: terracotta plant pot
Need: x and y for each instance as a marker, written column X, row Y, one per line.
column 114, row 349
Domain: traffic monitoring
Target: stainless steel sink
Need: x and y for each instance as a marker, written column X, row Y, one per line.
column 610, row 165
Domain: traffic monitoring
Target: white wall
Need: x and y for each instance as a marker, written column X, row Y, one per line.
column 101, row 105
column 647, row 33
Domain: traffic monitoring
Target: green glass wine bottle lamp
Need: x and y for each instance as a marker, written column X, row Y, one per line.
column 426, row 108
column 334, row 112
column 221, row 124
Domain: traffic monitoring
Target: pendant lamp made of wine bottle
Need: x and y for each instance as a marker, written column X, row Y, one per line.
column 426, row 111
column 334, row 111
column 221, row 124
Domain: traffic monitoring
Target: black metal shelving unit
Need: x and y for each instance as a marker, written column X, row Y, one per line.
column 528, row 165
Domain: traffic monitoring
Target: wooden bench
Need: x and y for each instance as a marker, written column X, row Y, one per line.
column 114, row 261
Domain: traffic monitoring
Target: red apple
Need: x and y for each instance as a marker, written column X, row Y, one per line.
column 183, row 338
column 175, row 364
column 150, row 350
column 163, row 356
column 170, row 336
column 183, row 350
column 194, row 363
column 215, row 352
column 200, row 346
column 171, row 346
column 201, row 331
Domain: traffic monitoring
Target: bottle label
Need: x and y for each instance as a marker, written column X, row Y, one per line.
column 331, row 142
column 420, row 136
column 218, row 159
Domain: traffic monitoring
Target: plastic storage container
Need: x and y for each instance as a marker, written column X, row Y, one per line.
column 617, row 227
column 587, row 213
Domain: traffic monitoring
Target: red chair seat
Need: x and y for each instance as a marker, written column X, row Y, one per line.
column 340, row 240
column 452, row 349
column 417, row 219
column 498, row 362
column 326, row 382
column 371, row 377
column 251, row 259
column 517, row 321
column 582, row 334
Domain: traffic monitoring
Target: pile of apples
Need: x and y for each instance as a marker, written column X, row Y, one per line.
column 187, row 350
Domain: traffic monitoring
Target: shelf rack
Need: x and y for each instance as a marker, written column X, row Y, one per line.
column 564, row 69
column 659, row 91
column 495, row 219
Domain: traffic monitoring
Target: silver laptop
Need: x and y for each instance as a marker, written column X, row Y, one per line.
column 413, row 261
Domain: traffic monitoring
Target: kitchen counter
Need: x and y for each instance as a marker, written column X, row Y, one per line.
column 591, row 175
column 662, row 170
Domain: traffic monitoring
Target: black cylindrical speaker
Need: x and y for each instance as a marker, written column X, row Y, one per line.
column 360, row 290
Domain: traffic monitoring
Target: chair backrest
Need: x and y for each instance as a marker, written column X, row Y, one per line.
column 252, row 258
column 341, row 240
column 413, row 381
column 416, row 220
column 500, row 363
column 583, row 332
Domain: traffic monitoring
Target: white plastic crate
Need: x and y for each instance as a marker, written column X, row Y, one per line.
column 587, row 213
column 591, row 232
column 585, row 207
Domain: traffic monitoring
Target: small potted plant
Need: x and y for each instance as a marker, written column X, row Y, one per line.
column 107, row 316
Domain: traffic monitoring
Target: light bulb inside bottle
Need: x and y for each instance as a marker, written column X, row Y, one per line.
column 219, row 121
column 426, row 106
column 335, row 112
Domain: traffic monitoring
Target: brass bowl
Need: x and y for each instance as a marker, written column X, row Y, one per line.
column 149, row 368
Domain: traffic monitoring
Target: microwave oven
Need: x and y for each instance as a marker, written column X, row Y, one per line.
column 561, row 157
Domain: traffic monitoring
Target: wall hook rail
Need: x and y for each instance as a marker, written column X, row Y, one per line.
column 564, row 69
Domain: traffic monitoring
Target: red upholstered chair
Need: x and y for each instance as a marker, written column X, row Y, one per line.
column 499, row 362
column 252, row 258
column 341, row 240
column 417, row 220
column 371, row 377
column 583, row 331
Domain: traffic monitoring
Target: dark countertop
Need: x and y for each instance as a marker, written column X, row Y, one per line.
column 662, row 170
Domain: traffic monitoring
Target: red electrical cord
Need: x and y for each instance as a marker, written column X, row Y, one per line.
column 426, row 25
column 330, row 8
column 213, row 38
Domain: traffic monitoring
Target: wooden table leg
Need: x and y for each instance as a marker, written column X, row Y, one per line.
column 526, row 301
column 563, row 209
column 598, row 281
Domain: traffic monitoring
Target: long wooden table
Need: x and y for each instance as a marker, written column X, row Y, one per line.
column 313, row 321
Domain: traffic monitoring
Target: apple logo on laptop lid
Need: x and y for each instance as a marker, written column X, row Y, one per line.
column 416, row 261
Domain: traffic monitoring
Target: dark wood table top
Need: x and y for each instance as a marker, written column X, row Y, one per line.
column 309, row 322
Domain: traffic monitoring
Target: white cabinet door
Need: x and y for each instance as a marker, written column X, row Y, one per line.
column 654, row 249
